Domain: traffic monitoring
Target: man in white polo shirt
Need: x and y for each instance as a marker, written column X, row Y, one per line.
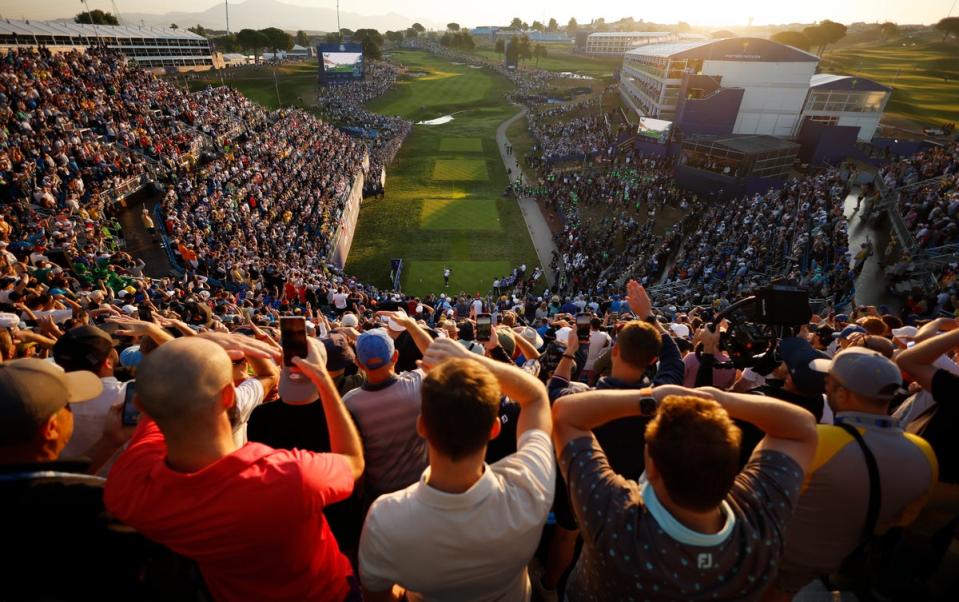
column 466, row 530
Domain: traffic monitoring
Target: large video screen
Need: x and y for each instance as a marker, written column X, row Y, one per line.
column 340, row 62
column 655, row 129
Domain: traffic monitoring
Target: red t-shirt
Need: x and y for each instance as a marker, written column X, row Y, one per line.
column 253, row 520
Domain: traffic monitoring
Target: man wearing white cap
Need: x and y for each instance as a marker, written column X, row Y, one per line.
column 868, row 475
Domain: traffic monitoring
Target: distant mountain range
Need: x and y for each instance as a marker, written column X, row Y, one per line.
column 253, row 14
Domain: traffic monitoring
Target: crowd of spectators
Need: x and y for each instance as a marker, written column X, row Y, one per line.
column 153, row 434
column 343, row 104
column 930, row 211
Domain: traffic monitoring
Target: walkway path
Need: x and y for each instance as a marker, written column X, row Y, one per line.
column 539, row 230
column 139, row 242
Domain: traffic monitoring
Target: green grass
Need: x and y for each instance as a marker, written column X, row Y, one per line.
column 561, row 58
column 460, row 170
column 459, row 214
column 925, row 77
column 295, row 82
column 464, row 224
column 461, row 145
column 467, row 276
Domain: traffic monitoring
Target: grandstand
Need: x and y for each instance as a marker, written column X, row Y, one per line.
column 617, row 43
column 150, row 47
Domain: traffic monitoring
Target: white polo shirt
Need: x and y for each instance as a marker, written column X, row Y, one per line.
column 473, row 545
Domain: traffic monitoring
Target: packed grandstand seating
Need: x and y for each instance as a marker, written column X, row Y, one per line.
column 250, row 202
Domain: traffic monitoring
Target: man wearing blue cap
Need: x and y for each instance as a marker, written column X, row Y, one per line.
column 385, row 410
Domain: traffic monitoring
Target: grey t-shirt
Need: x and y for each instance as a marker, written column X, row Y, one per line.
column 394, row 452
column 634, row 549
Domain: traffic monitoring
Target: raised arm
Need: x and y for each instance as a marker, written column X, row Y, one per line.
column 344, row 439
column 575, row 415
column 918, row 360
column 420, row 337
column 518, row 385
column 789, row 428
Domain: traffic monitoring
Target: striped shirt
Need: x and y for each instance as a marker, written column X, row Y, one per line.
column 385, row 415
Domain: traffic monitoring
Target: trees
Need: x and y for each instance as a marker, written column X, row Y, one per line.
column 552, row 25
column 540, row 52
column 418, row 28
column 825, row 33
column 453, row 26
column 500, row 46
column 226, row 43
column 332, row 38
column 888, row 30
column 572, row 26
column 683, row 27
column 96, row 17
column 251, row 39
column 394, row 36
column 372, row 41
column 949, row 26
column 174, row 26
column 411, row 33
column 797, row 39
column 523, row 48
column 538, row 26
column 722, row 33
column 198, row 30
column 516, row 23
column 461, row 39
column 278, row 39
column 302, row 39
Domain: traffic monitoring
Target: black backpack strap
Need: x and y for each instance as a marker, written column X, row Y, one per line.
column 875, row 491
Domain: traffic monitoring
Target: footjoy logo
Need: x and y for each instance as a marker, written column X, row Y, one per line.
column 705, row 561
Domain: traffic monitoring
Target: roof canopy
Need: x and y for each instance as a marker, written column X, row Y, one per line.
column 729, row 49
column 829, row 81
column 66, row 28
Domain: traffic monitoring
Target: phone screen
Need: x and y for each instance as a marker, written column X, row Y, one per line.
column 484, row 327
column 131, row 414
column 582, row 327
column 293, row 339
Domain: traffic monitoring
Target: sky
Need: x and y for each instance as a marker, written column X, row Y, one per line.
column 708, row 13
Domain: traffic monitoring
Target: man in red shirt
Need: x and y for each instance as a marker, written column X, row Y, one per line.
column 251, row 517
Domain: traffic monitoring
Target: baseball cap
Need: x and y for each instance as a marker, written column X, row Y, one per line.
column 848, row 331
column 863, row 371
column 680, row 330
column 339, row 354
column 842, row 318
column 349, row 320
column 506, row 342
column 82, row 348
column 374, row 349
column 131, row 356
column 32, row 390
column 797, row 354
column 295, row 387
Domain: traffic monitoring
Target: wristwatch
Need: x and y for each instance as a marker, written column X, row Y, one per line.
column 647, row 403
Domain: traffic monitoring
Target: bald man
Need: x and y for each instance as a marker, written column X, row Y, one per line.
column 250, row 516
